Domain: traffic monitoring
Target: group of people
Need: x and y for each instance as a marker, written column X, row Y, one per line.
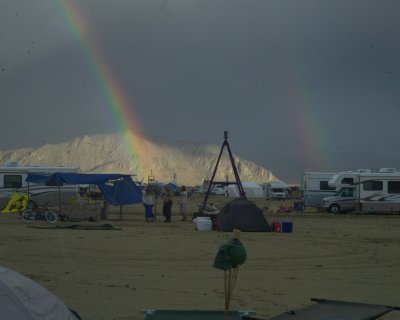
column 149, row 200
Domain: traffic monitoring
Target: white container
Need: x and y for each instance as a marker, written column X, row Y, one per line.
column 203, row 223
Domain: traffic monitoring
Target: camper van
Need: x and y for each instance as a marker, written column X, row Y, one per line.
column 365, row 191
column 315, row 187
column 276, row 190
column 12, row 179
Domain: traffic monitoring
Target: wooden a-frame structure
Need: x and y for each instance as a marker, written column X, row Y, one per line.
column 224, row 183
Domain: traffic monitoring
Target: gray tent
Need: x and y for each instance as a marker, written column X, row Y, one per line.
column 243, row 215
column 24, row 299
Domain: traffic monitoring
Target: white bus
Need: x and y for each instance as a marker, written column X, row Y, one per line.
column 12, row 179
column 315, row 187
column 365, row 191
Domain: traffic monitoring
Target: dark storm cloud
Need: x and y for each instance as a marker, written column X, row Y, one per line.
column 193, row 69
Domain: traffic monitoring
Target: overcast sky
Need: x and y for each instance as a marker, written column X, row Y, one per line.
column 298, row 84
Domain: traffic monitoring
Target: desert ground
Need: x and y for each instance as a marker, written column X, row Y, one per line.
column 113, row 274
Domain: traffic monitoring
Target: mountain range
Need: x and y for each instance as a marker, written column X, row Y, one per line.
column 187, row 163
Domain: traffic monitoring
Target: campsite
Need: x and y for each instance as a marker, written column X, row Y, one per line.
column 120, row 263
column 113, row 274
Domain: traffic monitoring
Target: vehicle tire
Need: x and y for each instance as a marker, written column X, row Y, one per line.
column 51, row 217
column 334, row 208
column 28, row 216
column 31, row 205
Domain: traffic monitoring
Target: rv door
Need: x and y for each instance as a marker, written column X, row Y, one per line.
column 348, row 197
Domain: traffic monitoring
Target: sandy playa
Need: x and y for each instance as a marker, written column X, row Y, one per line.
column 115, row 274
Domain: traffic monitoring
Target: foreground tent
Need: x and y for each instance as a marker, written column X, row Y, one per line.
column 243, row 215
column 24, row 299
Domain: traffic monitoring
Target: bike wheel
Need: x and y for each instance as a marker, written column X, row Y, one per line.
column 28, row 216
column 51, row 217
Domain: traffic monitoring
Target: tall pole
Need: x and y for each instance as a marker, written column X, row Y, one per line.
column 236, row 173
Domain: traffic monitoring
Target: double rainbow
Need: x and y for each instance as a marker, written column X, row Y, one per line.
column 122, row 109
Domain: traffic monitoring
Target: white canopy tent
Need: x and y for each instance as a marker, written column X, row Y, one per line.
column 252, row 190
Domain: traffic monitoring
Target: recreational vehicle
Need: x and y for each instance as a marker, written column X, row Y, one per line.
column 276, row 190
column 12, row 179
column 315, row 187
column 365, row 191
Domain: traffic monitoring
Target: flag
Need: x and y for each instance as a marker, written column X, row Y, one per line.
column 17, row 203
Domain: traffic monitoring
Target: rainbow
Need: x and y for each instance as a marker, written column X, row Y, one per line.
column 118, row 102
column 309, row 129
column 310, row 132
column 311, row 135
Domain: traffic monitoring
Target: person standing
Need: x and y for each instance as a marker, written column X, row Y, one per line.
column 183, row 200
column 167, row 206
column 148, row 202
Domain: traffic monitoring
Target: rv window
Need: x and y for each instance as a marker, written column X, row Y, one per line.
column 12, row 181
column 373, row 185
column 394, row 186
column 347, row 181
column 323, row 185
column 347, row 192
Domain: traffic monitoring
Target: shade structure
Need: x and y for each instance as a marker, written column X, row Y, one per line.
column 118, row 189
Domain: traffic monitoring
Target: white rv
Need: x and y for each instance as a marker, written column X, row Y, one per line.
column 365, row 191
column 276, row 190
column 12, row 179
column 315, row 187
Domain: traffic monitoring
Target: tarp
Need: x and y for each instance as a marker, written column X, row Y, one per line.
column 121, row 192
column 322, row 310
column 335, row 310
column 60, row 178
column 118, row 189
column 171, row 186
column 251, row 189
column 106, row 226
column 243, row 215
column 193, row 314
column 24, row 299
column 16, row 203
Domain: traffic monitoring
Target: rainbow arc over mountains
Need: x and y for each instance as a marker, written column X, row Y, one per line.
column 118, row 102
column 123, row 109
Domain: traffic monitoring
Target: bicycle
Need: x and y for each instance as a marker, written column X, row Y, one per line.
column 29, row 215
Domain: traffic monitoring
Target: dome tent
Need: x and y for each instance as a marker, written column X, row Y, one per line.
column 243, row 215
column 24, row 299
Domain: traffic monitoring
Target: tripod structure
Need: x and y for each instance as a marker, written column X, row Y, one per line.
column 224, row 183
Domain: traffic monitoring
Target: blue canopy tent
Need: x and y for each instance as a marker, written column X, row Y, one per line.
column 117, row 189
column 173, row 186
